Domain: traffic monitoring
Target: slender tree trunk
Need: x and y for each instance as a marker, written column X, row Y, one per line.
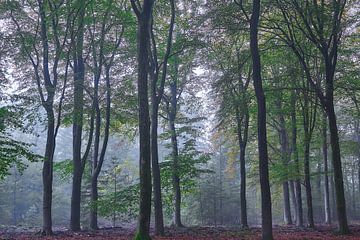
column 175, row 176
column 326, row 177
column 262, row 139
column 79, row 75
column 156, row 96
column 243, row 207
column 143, row 44
column 310, row 214
column 285, row 154
column 159, row 219
column 353, row 197
column 299, row 209
column 94, row 175
column 47, row 173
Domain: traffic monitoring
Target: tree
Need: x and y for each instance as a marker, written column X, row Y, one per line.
column 310, row 21
column 103, row 61
column 158, row 76
column 261, row 118
column 51, row 47
column 79, row 160
column 144, row 14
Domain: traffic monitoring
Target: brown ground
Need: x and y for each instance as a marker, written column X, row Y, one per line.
column 210, row 233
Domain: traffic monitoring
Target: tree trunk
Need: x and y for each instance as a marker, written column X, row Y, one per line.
column 299, row 209
column 310, row 214
column 326, row 177
column 143, row 41
column 156, row 96
column 159, row 219
column 47, row 173
column 94, row 199
column 175, row 155
column 287, row 209
column 293, row 198
column 79, row 75
column 338, row 174
column 243, row 208
column 285, row 154
column 261, row 117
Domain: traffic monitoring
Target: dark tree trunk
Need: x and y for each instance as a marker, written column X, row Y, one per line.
column 309, row 118
column 159, row 219
column 326, row 177
column 78, row 164
column 94, row 198
column 338, row 174
column 243, row 208
column 310, row 214
column 47, row 173
column 175, row 156
column 299, row 209
column 156, row 96
column 261, row 117
column 143, row 42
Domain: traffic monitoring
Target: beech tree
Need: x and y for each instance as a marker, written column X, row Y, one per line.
column 143, row 13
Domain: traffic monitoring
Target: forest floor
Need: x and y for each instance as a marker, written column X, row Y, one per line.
column 204, row 233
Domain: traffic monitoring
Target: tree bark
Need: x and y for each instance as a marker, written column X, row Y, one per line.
column 156, row 96
column 338, row 174
column 79, row 75
column 262, row 139
column 299, row 209
column 175, row 155
column 143, row 14
column 285, row 154
column 47, row 173
column 326, row 177
column 293, row 198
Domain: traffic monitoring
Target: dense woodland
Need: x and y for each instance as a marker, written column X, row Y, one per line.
column 179, row 119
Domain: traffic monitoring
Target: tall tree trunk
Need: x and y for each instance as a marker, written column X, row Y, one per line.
column 143, row 14
column 156, row 96
column 338, row 174
column 285, row 154
column 310, row 214
column 261, row 118
column 299, row 209
column 175, row 155
column 79, row 75
column 243, row 207
column 326, row 170
column 47, row 172
column 159, row 219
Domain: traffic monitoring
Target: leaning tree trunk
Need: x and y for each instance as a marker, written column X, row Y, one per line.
column 266, row 215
